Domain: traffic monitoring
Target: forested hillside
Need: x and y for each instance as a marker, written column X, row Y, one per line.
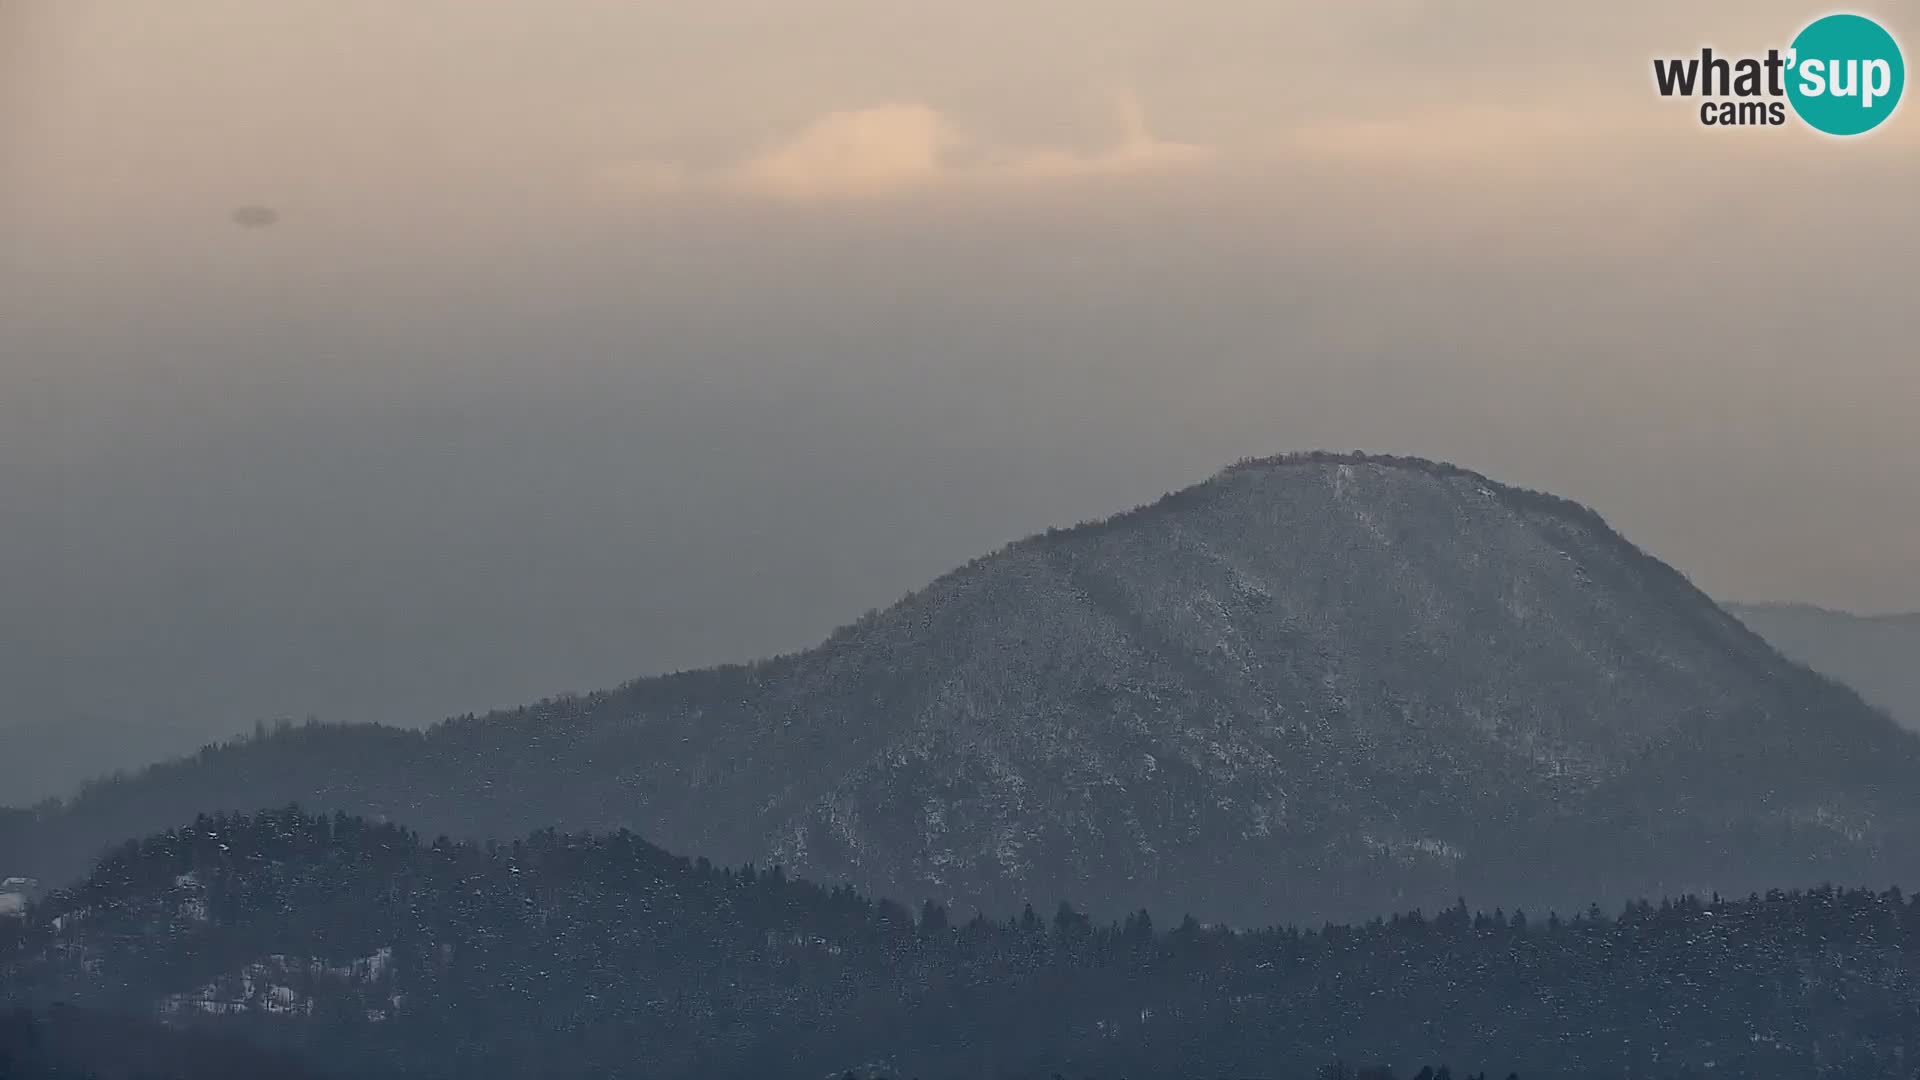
column 368, row 952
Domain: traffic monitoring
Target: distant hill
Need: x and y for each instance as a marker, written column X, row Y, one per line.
column 44, row 758
column 1314, row 687
column 1878, row 655
column 369, row 954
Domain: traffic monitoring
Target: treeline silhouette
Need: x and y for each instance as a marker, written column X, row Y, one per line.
column 363, row 950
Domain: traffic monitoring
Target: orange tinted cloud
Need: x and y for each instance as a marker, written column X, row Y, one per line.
column 903, row 146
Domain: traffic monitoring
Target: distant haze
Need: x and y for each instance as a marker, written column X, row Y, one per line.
column 1879, row 656
column 592, row 340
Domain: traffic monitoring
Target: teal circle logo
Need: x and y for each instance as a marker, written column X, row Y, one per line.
column 1845, row 74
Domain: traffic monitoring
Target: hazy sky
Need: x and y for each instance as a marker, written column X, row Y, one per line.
column 599, row 338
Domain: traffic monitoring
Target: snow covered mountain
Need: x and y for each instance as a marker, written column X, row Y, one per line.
column 1313, row 687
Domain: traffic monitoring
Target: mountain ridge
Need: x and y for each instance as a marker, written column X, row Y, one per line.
column 1896, row 617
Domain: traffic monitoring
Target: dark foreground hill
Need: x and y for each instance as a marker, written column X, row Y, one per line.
column 367, row 954
column 1312, row 687
column 1878, row 655
column 65, row 1043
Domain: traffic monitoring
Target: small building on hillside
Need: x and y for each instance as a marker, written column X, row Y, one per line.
column 14, row 893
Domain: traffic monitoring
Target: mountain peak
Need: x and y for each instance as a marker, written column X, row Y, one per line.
column 1339, row 471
